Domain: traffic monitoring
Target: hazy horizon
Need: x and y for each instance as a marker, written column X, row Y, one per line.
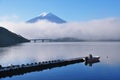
column 101, row 29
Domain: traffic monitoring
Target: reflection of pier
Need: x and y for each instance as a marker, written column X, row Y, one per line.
column 12, row 70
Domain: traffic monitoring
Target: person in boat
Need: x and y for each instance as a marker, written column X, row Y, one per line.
column 90, row 56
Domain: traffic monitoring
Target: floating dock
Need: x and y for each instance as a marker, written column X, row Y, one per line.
column 13, row 70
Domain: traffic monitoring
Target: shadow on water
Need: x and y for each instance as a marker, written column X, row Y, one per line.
column 11, row 45
column 14, row 70
column 5, row 49
column 91, row 63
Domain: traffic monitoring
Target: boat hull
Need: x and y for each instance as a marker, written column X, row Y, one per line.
column 93, row 60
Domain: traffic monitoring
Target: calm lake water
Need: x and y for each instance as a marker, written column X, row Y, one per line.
column 107, row 69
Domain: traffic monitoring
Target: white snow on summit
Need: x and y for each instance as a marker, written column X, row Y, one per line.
column 43, row 14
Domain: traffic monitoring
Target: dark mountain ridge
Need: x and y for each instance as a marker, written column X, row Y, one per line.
column 9, row 38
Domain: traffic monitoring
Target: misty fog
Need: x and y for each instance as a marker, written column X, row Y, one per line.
column 100, row 29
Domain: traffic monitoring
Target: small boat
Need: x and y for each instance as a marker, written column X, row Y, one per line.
column 92, row 59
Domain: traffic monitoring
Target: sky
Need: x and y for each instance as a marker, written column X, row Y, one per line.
column 86, row 19
column 69, row 10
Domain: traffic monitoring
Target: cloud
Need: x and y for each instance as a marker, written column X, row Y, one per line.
column 9, row 18
column 101, row 29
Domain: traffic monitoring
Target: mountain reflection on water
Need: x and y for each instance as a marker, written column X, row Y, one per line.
column 36, row 52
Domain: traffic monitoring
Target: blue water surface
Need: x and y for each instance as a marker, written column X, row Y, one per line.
column 107, row 69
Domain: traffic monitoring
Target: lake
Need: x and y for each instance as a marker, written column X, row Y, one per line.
column 107, row 69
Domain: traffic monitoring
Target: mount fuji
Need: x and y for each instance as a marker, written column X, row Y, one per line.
column 47, row 16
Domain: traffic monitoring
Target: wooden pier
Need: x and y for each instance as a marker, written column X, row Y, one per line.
column 13, row 70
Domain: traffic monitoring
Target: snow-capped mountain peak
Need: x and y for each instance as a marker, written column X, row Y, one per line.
column 43, row 14
column 47, row 16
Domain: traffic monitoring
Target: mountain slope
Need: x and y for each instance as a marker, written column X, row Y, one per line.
column 8, row 38
column 47, row 16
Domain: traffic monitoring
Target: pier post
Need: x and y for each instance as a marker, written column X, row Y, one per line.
column 0, row 66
